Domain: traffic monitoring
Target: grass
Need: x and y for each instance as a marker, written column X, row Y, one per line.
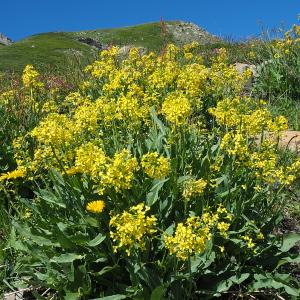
column 52, row 51
column 148, row 35
column 48, row 50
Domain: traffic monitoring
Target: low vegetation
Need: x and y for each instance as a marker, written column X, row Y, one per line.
column 152, row 176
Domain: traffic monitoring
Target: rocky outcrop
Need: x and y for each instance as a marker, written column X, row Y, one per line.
column 241, row 67
column 4, row 40
column 187, row 32
column 91, row 42
column 124, row 51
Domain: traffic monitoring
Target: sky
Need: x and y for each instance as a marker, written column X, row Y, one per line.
column 234, row 19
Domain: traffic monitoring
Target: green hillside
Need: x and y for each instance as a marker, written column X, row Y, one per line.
column 58, row 50
column 44, row 50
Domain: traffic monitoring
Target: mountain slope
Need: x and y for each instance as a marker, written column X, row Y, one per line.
column 59, row 50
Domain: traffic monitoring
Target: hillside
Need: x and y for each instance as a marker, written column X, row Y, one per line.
column 55, row 49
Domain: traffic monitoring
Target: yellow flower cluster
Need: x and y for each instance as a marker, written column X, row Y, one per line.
column 130, row 228
column 155, row 166
column 289, row 44
column 247, row 116
column 194, row 188
column 190, row 237
column 95, row 206
column 55, row 130
column 249, row 241
column 30, row 77
column 120, row 171
column 176, row 108
column 235, row 144
column 90, row 160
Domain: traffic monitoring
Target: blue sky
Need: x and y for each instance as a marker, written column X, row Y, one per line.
column 231, row 18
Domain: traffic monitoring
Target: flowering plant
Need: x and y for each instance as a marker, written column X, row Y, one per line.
column 189, row 196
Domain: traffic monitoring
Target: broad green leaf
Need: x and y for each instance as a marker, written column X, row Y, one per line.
column 92, row 221
column 66, row 258
column 113, row 297
column 51, row 198
column 158, row 293
column 289, row 241
column 71, row 296
column 97, row 240
column 105, row 270
column 280, row 281
column 153, row 194
column 225, row 285
column 286, row 260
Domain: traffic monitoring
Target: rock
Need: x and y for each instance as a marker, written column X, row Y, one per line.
column 187, row 32
column 240, row 67
column 124, row 51
column 14, row 296
column 5, row 40
column 91, row 42
column 288, row 140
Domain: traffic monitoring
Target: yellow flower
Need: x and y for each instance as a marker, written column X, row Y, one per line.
column 155, row 166
column 190, row 238
column 55, row 130
column 193, row 188
column 260, row 236
column 30, row 77
column 27, row 214
column 277, row 56
column 91, row 160
column 249, row 241
column 19, row 172
column 73, row 171
column 222, row 249
column 235, row 144
column 223, row 228
column 176, row 108
column 95, row 206
column 130, row 228
column 120, row 171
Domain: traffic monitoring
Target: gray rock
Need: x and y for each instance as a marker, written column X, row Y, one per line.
column 5, row 40
column 187, row 32
column 240, row 67
column 124, row 51
column 91, row 42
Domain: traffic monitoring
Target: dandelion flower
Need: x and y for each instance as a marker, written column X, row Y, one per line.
column 95, row 206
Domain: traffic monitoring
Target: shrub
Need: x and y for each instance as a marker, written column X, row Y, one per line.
column 278, row 76
column 158, row 186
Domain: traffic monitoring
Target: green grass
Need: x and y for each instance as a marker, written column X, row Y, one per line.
column 53, row 51
column 148, row 35
column 48, row 50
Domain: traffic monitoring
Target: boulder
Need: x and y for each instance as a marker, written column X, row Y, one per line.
column 5, row 40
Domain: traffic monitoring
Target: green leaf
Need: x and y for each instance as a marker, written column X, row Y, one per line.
column 113, row 297
column 158, row 293
column 280, row 281
column 51, row 198
column 225, row 285
column 289, row 241
column 66, row 258
column 97, row 240
column 286, row 260
column 71, row 296
column 92, row 221
column 152, row 196
column 105, row 270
